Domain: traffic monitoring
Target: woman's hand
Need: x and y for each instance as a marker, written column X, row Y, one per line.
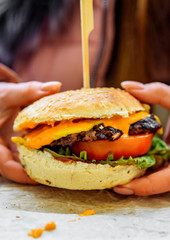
column 152, row 93
column 159, row 181
column 13, row 96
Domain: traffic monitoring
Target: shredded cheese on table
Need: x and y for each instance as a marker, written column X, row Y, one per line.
column 37, row 232
column 87, row 213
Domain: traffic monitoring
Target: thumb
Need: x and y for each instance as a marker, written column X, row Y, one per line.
column 22, row 94
column 155, row 183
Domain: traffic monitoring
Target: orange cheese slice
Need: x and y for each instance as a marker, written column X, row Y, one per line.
column 44, row 135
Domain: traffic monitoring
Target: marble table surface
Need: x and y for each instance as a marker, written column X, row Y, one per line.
column 24, row 207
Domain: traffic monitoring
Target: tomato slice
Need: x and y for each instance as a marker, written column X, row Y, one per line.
column 125, row 146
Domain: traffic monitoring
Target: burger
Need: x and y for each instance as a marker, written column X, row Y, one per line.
column 88, row 139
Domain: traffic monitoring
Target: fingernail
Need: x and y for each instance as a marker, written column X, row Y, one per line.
column 123, row 190
column 132, row 85
column 50, row 86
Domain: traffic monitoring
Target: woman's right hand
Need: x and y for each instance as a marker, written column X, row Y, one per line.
column 158, row 181
column 14, row 96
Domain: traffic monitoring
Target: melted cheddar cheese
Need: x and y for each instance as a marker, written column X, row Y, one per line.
column 44, row 135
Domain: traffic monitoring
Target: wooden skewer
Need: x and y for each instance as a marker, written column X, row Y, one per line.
column 87, row 25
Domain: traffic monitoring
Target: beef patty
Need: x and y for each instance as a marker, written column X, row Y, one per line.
column 100, row 132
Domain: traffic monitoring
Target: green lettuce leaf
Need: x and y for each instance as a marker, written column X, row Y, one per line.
column 63, row 156
column 110, row 157
column 157, row 155
column 140, row 162
column 157, row 145
column 83, row 155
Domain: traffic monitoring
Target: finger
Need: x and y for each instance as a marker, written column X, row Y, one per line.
column 155, row 183
column 22, row 94
column 8, row 75
column 153, row 93
column 6, row 114
column 167, row 133
column 11, row 169
column 3, row 142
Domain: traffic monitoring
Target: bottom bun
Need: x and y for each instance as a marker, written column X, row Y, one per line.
column 44, row 168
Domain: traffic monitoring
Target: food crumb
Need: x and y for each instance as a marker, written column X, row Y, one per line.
column 35, row 233
column 17, row 216
column 50, row 226
column 87, row 213
column 74, row 220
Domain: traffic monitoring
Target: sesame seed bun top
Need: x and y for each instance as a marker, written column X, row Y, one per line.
column 83, row 103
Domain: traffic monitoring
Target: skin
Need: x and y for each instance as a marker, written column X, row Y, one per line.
column 159, row 181
column 39, row 67
column 52, row 59
column 60, row 58
column 13, row 96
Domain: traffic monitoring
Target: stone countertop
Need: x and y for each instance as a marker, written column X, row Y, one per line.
column 24, row 207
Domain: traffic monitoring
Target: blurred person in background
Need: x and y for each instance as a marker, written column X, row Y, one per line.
column 40, row 41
